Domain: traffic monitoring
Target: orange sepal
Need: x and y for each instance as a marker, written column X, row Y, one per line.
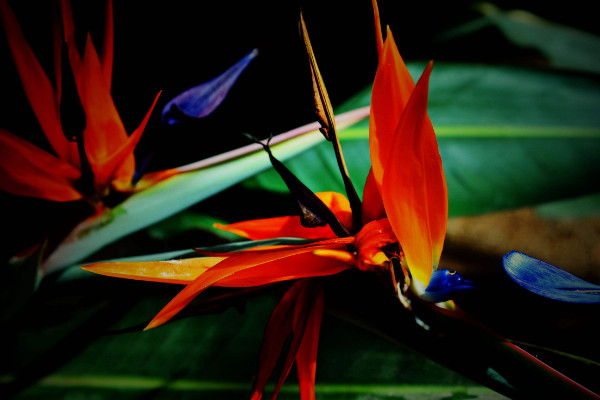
column 279, row 327
column 152, row 178
column 414, row 189
column 268, row 228
column 306, row 357
column 391, row 90
column 39, row 90
column 104, row 132
column 234, row 264
column 29, row 171
column 174, row 271
column 307, row 314
column 290, row 226
column 305, row 265
column 123, row 157
column 378, row 34
column 372, row 204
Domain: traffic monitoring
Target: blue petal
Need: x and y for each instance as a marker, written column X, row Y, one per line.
column 549, row 281
column 444, row 284
column 201, row 100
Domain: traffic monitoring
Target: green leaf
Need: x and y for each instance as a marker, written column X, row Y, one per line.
column 186, row 221
column 571, row 208
column 563, row 46
column 93, row 346
column 508, row 137
column 212, row 356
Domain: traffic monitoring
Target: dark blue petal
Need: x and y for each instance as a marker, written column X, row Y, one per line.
column 201, row 100
column 444, row 284
column 549, row 281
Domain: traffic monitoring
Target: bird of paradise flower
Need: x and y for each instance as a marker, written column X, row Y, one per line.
column 397, row 230
column 89, row 165
column 94, row 162
column 99, row 161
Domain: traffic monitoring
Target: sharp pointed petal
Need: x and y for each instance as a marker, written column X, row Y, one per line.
column 39, row 90
column 291, row 226
column 414, row 192
column 372, row 204
column 378, row 34
column 308, row 295
column 306, row 358
column 119, row 160
column 104, row 133
column 276, row 333
column 230, row 269
column 392, row 88
column 29, row 171
column 174, row 271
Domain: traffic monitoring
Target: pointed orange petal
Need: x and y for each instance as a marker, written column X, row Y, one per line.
column 269, row 228
column 378, row 35
column 67, row 21
column 414, row 192
column 339, row 204
column 235, row 263
column 306, row 358
column 303, row 308
column 391, row 89
column 26, row 170
column 372, row 205
column 174, row 271
column 306, row 265
column 263, row 249
column 123, row 158
column 104, row 132
column 437, row 192
column 290, row 226
column 152, row 178
column 276, row 334
column 38, row 88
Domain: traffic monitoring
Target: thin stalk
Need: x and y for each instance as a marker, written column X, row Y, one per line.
column 326, row 119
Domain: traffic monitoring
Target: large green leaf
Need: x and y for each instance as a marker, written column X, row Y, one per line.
column 508, row 137
column 563, row 46
column 93, row 345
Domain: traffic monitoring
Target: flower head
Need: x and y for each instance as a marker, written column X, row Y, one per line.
column 85, row 165
column 401, row 228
